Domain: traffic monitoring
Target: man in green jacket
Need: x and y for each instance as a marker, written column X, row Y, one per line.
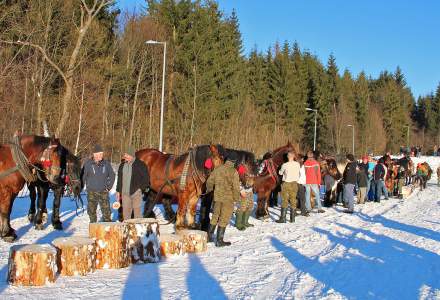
column 225, row 183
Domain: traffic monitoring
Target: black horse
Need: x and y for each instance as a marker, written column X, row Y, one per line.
column 70, row 178
column 241, row 157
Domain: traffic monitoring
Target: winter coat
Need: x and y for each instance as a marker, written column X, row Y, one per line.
column 313, row 171
column 225, row 183
column 98, row 176
column 362, row 179
column 350, row 173
column 364, row 167
column 140, row 179
column 379, row 172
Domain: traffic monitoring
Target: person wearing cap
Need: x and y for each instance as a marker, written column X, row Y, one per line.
column 98, row 177
column 350, row 179
column 133, row 180
column 225, row 183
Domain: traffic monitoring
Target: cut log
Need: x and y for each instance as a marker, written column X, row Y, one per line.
column 75, row 255
column 32, row 265
column 171, row 245
column 194, row 241
column 143, row 240
column 112, row 251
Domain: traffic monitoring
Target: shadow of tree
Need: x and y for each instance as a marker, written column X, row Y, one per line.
column 374, row 267
column 424, row 232
column 200, row 284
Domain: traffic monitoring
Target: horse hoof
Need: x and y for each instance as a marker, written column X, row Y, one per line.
column 10, row 238
column 57, row 226
column 31, row 217
column 39, row 226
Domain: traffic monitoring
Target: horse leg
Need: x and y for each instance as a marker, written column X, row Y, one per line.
column 205, row 209
column 33, row 196
column 191, row 211
column 181, row 211
column 42, row 197
column 170, row 215
column 56, row 223
column 261, row 212
column 149, row 204
column 7, row 200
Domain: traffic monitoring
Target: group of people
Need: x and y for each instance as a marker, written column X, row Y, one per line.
column 301, row 177
column 99, row 177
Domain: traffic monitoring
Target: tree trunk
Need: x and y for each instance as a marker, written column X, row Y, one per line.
column 171, row 245
column 32, row 265
column 143, row 241
column 76, row 255
column 136, row 95
column 112, row 248
column 79, row 121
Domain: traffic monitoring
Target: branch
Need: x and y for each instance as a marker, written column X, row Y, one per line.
column 43, row 52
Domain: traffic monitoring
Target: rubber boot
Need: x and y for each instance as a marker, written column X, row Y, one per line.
column 220, row 235
column 292, row 215
column 239, row 221
column 246, row 219
column 211, row 231
column 282, row 218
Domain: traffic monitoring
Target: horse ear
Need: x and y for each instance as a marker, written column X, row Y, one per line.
column 213, row 149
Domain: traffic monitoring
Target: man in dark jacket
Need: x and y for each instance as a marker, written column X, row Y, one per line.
column 350, row 179
column 362, row 183
column 98, row 176
column 133, row 180
column 378, row 178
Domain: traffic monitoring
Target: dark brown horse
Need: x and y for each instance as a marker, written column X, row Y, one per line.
column 167, row 177
column 268, row 179
column 36, row 153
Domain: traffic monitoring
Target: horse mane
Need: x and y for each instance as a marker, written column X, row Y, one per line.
column 239, row 156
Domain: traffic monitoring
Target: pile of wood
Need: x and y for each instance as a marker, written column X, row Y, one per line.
column 109, row 246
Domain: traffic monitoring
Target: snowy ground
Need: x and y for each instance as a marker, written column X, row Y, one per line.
column 383, row 251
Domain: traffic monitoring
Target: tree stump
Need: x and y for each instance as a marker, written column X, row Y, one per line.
column 112, row 250
column 76, row 255
column 32, row 265
column 194, row 241
column 171, row 245
column 143, row 240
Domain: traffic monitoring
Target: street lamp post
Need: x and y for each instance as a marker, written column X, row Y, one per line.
column 314, row 134
column 163, row 90
column 352, row 127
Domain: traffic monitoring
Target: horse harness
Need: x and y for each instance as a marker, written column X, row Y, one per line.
column 29, row 171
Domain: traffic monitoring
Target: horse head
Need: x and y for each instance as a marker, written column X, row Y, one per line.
column 52, row 160
column 216, row 158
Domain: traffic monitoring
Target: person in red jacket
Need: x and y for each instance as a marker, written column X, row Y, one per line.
column 313, row 180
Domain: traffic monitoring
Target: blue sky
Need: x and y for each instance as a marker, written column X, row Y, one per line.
column 364, row 35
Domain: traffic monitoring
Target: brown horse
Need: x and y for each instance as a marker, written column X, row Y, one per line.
column 38, row 154
column 167, row 176
column 268, row 179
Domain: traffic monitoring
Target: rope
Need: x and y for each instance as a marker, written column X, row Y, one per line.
column 21, row 161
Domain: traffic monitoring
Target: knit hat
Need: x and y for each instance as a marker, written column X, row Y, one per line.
column 130, row 151
column 97, row 149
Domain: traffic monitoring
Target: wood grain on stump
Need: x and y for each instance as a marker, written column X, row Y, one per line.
column 112, row 250
column 171, row 245
column 194, row 241
column 75, row 255
column 143, row 240
column 32, row 265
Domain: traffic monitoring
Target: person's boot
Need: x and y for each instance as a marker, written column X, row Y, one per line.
column 246, row 219
column 282, row 218
column 220, row 235
column 239, row 221
column 321, row 211
column 211, row 230
column 292, row 215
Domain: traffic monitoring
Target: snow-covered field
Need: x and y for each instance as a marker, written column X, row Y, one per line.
column 383, row 251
